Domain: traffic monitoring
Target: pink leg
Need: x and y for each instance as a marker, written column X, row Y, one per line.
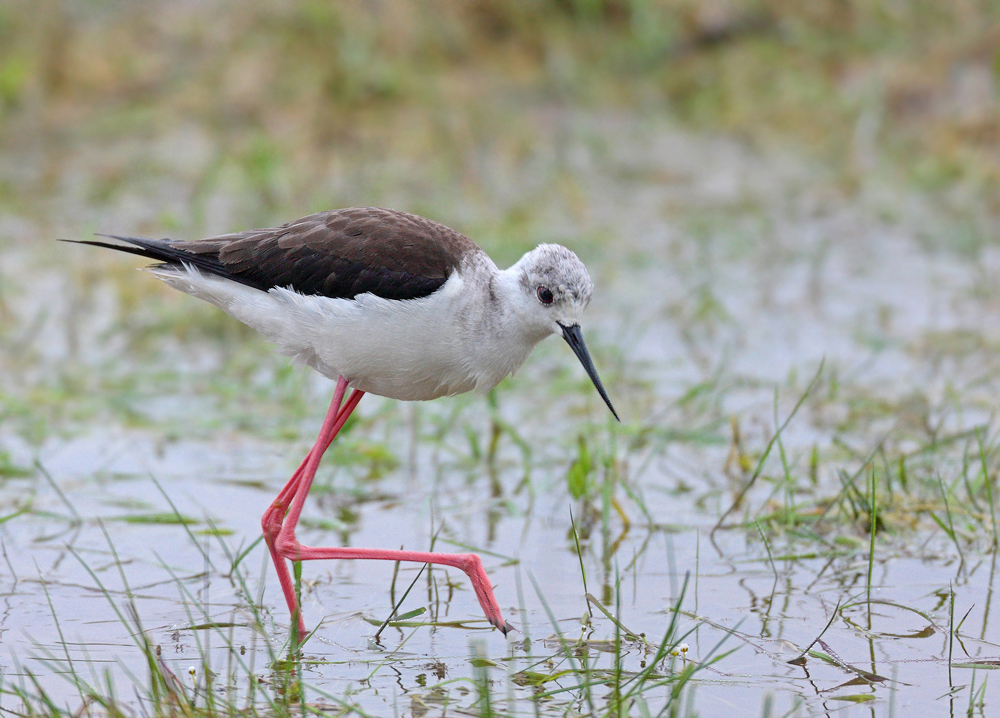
column 280, row 535
column 275, row 515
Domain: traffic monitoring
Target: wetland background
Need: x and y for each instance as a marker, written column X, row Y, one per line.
column 790, row 213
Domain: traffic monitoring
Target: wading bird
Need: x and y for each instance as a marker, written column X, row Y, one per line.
column 382, row 302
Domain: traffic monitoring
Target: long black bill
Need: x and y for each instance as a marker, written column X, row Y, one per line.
column 574, row 337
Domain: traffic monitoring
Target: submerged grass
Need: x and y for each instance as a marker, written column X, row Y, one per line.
column 227, row 677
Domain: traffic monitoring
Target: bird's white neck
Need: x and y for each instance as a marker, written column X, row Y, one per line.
column 493, row 319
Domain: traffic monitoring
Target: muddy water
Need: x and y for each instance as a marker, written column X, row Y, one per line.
column 717, row 268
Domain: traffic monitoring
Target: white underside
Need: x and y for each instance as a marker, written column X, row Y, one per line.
column 414, row 349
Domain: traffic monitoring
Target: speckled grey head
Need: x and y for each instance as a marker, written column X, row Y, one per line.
column 558, row 270
column 555, row 289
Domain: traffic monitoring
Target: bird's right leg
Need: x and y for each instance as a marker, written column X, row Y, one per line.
column 274, row 517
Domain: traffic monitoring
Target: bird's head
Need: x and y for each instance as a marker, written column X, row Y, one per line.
column 555, row 288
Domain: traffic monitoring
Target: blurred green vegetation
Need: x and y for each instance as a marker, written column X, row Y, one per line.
column 908, row 89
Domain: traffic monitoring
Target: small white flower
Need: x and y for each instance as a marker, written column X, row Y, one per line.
column 680, row 649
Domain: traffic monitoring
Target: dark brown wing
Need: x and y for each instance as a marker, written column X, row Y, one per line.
column 339, row 254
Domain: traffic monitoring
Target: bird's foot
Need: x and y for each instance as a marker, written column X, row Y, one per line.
column 473, row 567
column 505, row 628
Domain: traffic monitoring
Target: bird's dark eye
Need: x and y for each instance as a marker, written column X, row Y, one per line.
column 545, row 295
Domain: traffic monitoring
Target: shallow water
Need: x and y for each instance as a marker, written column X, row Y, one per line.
column 725, row 279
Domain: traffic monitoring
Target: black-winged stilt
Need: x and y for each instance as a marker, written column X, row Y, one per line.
column 383, row 302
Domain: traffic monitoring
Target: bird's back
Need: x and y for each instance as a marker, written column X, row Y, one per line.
column 337, row 254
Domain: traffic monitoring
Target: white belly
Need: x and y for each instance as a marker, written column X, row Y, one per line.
column 415, row 349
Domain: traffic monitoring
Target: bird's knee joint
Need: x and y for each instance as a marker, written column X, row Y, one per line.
column 287, row 547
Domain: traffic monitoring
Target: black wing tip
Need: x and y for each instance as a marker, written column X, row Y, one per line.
column 147, row 248
column 169, row 254
column 95, row 243
column 133, row 241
